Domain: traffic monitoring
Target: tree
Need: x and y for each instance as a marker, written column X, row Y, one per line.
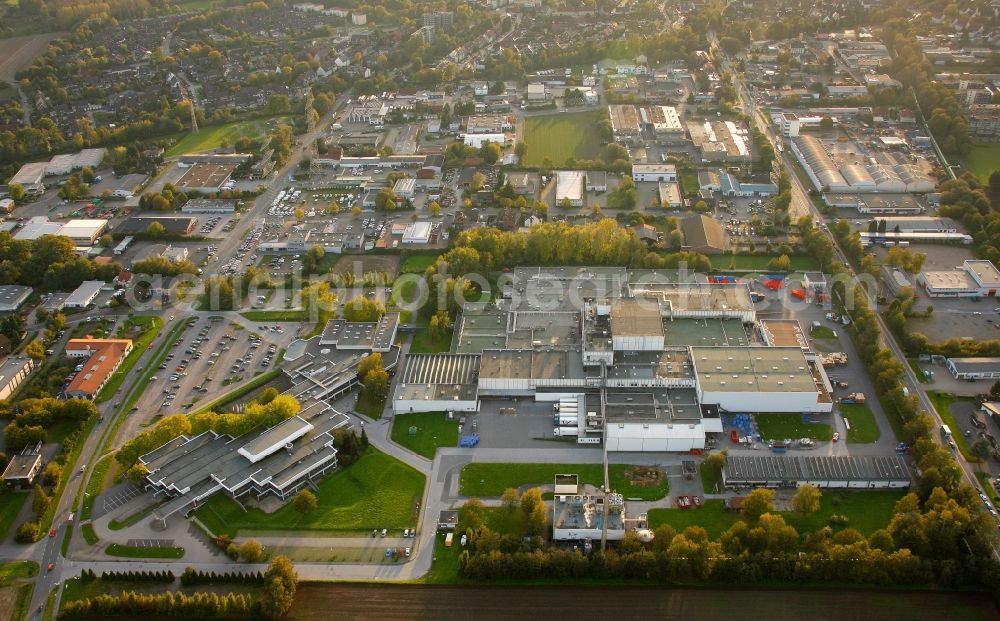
column 280, row 583
column 363, row 309
column 981, row 448
column 377, row 383
column 490, row 152
column 155, row 229
column 35, row 350
column 520, row 150
column 251, row 551
column 701, row 206
column 385, row 200
column 368, row 363
column 780, row 264
column 27, row 533
column 51, row 474
column 16, row 192
column 509, row 500
column 470, row 515
column 826, row 123
column 106, row 241
column 137, row 474
column 565, row 203
column 300, row 214
column 305, row 502
column 40, row 501
column 806, row 500
column 477, row 181
column 995, row 391
column 356, row 211
column 333, row 208
column 757, row 503
column 434, row 208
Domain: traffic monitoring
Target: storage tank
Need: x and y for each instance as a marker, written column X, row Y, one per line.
column 567, row 420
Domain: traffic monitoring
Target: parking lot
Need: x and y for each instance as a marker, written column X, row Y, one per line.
column 209, row 357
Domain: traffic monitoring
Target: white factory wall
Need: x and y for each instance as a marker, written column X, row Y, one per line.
column 405, row 406
column 645, row 437
column 745, row 401
column 637, row 343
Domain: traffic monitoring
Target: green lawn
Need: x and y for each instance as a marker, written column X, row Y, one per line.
column 377, row 491
column 129, row 520
column 864, row 429
column 150, row 327
column 89, row 534
column 423, row 343
column 723, row 262
column 562, row 136
column 433, row 429
column 418, row 263
column 276, row 315
column 211, row 137
column 372, row 408
column 774, row 426
column 942, row 403
column 867, row 511
column 822, row 332
column 983, row 159
column 921, row 376
column 689, row 183
column 711, row 482
column 488, row 479
column 117, row 549
column 17, row 570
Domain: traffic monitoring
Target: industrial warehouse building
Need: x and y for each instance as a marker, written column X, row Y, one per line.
column 976, row 279
column 849, row 171
column 974, row 368
column 647, row 363
column 853, row 472
column 569, row 187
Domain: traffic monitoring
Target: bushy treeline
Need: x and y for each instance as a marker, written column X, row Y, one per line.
column 33, row 416
column 255, row 415
column 90, row 575
column 193, row 577
column 169, row 604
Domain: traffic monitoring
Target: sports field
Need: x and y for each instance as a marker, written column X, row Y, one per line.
column 983, row 159
column 562, row 136
column 211, row 137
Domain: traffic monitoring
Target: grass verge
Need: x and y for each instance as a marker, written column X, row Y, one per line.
column 132, row 519
column 117, row 549
column 942, row 403
column 276, row 315
column 774, row 426
column 377, row 491
column 864, row 429
column 22, row 601
column 10, row 507
column 921, row 376
column 432, row 429
column 489, row 479
column 12, row 571
column 89, row 535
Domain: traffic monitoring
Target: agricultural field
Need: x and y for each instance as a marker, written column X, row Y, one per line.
column 983, row 159
column 17, row 53
column 562, row 136
column 375, row 491
column 212, row 136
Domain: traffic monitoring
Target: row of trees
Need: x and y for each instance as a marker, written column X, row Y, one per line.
column 255, row 415
column 89, row 575
column 194, row 577
column 130, row 603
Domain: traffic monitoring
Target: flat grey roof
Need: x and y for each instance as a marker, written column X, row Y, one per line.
column 636, row 317
column 13, row 295
column 753, row 369
column 972, row 365
column 292, row 427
